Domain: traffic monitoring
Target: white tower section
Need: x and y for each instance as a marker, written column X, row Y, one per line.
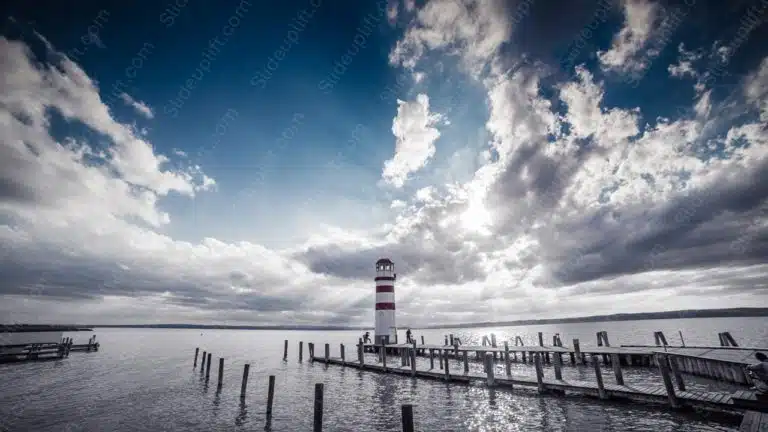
column 385, row 329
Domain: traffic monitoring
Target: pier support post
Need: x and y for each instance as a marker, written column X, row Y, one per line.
column 507, row 366
column 202, row 363
column 208, row 367
column 489, row 369
column 362, row 355
column 440, row 358
column 558, row 360
column 422, row 340
column 384, row 358
column 599, row 377
column 327, row 353
column 311, row 349
column 616, row 363
column 431, row 359
column 661, row 360
column 466, row 362
column 493, row 344
column 577, row 351
column 407, row 418
column 539, row 372
column 382, row 351
column 450, row 339
column 285, row 350
column 447, row 373
column 524, row 359
column 341, row 349
column 673, row 366
column 197, row 350
column 541, row 339
column 221, row 372
column 301, row 351
column 413, row 360
column 244, row 385
column 318, row 423
column 270, row 398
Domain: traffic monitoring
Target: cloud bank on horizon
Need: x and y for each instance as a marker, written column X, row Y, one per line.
column 530, row 169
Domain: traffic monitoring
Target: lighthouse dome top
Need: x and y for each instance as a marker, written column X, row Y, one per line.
column 384, row 261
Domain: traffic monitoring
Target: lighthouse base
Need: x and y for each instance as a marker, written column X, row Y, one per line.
column 378, row 339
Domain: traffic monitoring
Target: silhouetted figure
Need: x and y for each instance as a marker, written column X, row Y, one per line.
column 367, row 337
column 408, row 336
column 759, row 373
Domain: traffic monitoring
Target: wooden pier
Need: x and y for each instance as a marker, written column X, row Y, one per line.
column 723, row 363
column 671, row 391
column 44, row 351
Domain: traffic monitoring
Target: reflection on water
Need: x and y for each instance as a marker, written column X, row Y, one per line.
column 143, row 380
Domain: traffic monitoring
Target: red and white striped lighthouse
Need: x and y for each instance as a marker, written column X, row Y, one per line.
column 385, row 329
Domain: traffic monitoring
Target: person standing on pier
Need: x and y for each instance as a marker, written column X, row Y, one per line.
column 367, row 337
column 759, row 373
column 408, row 336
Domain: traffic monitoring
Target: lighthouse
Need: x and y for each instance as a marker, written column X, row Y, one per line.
column 385, row 330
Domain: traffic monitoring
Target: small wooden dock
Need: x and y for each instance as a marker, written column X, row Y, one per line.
column 44, row 351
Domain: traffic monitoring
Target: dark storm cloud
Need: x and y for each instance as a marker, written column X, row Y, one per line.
column 713, row 227
column 54, row 275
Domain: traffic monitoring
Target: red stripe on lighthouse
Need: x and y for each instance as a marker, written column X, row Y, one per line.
column 385, row 288
column 385, row 306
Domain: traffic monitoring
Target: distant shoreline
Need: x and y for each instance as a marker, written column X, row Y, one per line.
column 679, row 314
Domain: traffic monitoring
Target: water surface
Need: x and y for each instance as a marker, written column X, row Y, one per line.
column 143, row 380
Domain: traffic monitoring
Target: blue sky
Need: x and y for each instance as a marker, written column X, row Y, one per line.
column 249, row 162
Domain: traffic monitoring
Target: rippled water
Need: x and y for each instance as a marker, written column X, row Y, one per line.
column 142, row 379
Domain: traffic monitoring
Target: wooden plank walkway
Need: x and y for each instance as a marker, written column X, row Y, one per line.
column 754, row 422
column 713, row 401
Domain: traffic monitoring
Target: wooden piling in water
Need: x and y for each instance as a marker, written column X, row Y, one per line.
column 431, row 359
column 413, row 360
column 422, row 340
column 450, row 339
column 673, row 366
column 466, row 362
column 208, row 367
column 617, row 369
column 507, row 365
column 447, row 373
column 270, row 398
column 301, row 351
column 244, row 384
column 221, row 372
column 440, row 358
column 384, row 357
column 541, row 339
column 327, row 352
column 489, row 372
column 539, row 372
column 407, row 412
column 202, row 363
column 577, row 351
column 318, row 423
column 341, row 349
column 558, row 366
column 197, row 350
column 663, row 365
column 285, row 350
column 599, row 377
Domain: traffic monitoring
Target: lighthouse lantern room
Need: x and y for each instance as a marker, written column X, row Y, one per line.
column 385, row 330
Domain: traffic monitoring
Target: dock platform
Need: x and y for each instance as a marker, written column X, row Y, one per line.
column 710, row 401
